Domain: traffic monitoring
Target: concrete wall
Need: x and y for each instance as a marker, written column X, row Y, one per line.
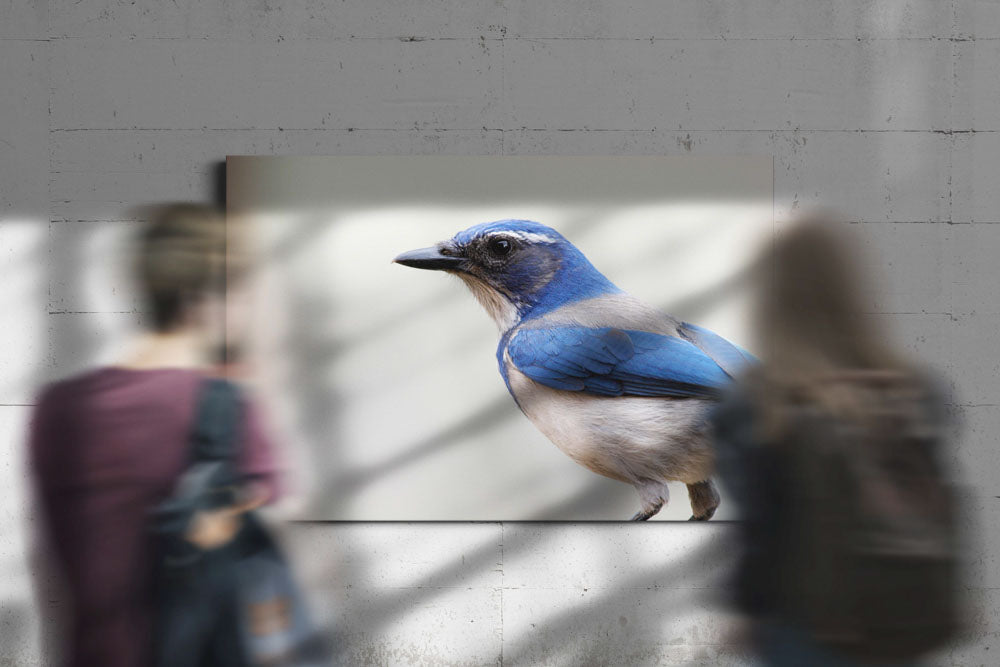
column 888, row 110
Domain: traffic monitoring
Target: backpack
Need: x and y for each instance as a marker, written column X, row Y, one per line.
column 237, row 604
column 872, row 555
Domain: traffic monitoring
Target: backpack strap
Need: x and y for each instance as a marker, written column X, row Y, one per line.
column 215, row 434
column 212, row 474
column 211, row 477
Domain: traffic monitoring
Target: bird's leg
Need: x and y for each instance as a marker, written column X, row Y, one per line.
column 653, row 496
column 704, row 500
column 645, row 515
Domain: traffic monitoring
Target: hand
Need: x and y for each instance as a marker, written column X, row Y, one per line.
column 211, row 529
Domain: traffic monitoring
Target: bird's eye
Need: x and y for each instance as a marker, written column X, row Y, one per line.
column 500, row 246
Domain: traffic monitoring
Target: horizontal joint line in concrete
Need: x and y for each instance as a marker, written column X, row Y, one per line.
column 493, row 37
column 913, row 222
column 272, row 129
column 274, row 39
column 69, row 221
column 767, row 131
column 723, row 38
column 907, row 312
column 192, row 170
column 96, row 312
column 72, row 220
column 520, row 129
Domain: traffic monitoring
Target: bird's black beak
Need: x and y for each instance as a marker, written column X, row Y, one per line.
column 430, row 258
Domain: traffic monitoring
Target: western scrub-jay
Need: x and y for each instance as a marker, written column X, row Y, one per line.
column 619, row 387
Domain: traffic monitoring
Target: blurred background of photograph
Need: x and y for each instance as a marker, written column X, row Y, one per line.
column 386, row 383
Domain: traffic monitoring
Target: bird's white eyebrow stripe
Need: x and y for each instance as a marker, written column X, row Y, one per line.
column 528, row 237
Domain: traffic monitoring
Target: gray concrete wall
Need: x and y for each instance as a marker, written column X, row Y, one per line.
column 888, row 110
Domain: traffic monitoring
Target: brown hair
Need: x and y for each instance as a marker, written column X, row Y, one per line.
column 819, row 346
column 180, row 258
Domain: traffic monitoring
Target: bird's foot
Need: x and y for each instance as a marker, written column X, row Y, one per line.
column 652, row 496
column 704, row 500
column 647, row 512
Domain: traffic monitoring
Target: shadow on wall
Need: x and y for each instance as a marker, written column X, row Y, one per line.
column 655, row 597
column 42, row 339
column 652, row 606
column 374, row 588
column 322, row 338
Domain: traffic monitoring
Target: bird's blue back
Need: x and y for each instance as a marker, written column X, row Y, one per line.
column 613, row 361
column 608, row 355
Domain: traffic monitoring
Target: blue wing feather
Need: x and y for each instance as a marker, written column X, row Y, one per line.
column 731, row 358
column 614, row 362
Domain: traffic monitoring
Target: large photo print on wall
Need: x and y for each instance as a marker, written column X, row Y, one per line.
column 612, row 310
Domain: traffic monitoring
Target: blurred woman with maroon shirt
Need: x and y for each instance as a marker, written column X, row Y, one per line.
column 108, row 445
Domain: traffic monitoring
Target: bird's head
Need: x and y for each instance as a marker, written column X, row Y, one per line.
column 517, row 269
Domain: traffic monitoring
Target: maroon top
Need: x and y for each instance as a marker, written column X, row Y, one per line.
column 106, row 447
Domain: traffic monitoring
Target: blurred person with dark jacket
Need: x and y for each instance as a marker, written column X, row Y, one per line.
column 832, row 447
column 109, row 444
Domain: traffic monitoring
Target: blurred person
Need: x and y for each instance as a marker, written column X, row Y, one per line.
column 108, row 445
column 832, row 447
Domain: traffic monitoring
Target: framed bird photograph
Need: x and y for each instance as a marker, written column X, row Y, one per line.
column 496, row 338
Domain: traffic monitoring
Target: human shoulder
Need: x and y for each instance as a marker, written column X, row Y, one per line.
column 54, row 393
